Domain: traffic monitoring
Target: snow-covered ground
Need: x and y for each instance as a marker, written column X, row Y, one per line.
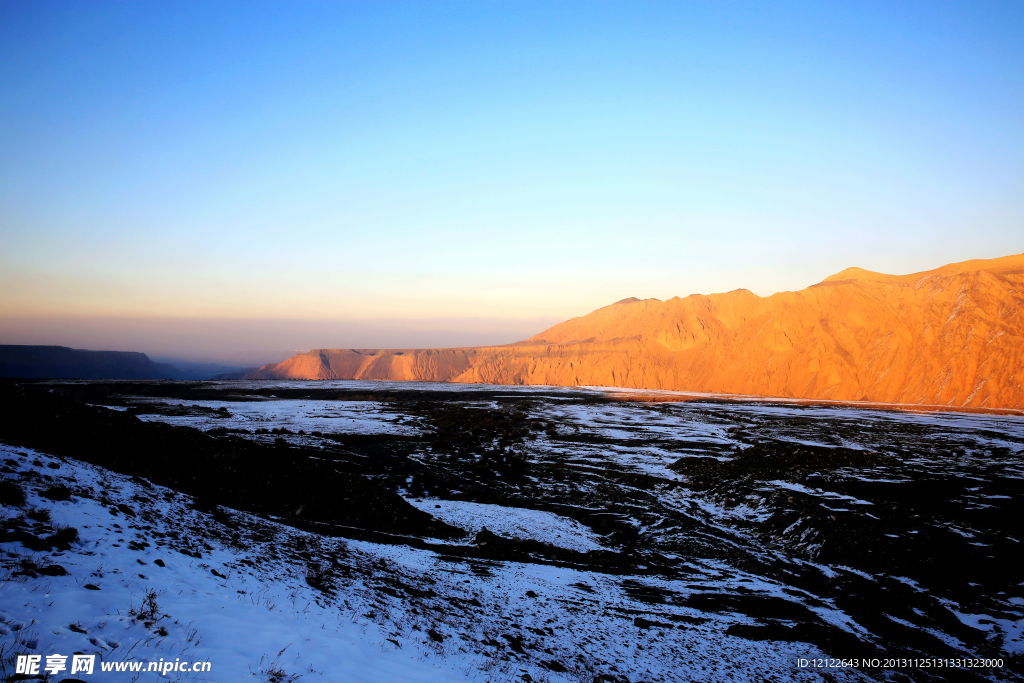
column 262, row 601
column 349, row 417
column 512, row 522
column 247, row 618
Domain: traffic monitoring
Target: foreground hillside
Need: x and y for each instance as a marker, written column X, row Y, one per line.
column 953, row 336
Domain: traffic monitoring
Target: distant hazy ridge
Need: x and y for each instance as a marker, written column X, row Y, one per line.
column 36, row 362
column 949, row 336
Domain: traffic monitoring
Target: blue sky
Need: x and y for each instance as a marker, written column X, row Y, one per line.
column 352, row 162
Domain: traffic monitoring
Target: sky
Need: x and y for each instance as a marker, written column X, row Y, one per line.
column 236, row 181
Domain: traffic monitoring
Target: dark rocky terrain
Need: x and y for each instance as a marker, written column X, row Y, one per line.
column 750, row 532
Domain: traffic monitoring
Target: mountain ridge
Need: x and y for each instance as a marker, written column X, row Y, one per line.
column 951, row 336
column 26, row 361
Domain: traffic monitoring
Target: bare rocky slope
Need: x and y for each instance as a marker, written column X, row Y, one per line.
column 953, row 336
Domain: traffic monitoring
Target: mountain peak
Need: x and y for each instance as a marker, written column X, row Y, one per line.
column 855, row 273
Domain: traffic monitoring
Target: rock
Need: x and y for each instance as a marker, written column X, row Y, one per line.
column 53, row 570
column 515, row 642
column 485, row 536
column 11, row 494
column 57, row 492
column 647, row 623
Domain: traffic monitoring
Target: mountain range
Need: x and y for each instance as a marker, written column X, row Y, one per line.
column 952, row 336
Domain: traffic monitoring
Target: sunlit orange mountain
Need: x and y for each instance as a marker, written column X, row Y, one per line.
column 951, row 336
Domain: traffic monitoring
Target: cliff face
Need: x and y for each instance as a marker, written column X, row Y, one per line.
column 951, row 336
